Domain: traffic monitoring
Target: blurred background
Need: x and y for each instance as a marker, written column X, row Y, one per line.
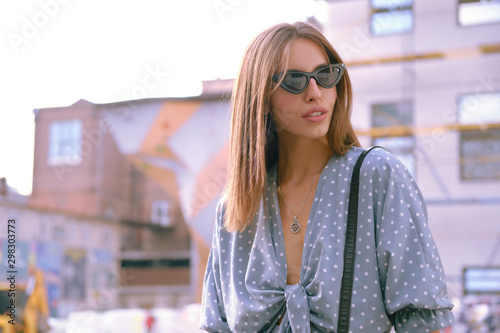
column 114, row 133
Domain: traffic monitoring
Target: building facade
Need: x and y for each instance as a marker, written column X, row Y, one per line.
column 109, row 200
column 77, row 254
column 427, row 87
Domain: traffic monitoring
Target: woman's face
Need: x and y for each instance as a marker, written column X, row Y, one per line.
column 309, row 113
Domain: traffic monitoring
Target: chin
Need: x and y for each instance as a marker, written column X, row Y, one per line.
column 321, row 131
column 315, row 135
column 306, row 132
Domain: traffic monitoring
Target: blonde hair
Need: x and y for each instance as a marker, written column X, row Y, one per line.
column 253, row 139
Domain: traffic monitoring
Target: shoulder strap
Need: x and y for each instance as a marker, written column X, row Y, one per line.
column 350, row 247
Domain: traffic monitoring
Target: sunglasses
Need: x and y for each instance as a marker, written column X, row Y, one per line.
column 296, row 82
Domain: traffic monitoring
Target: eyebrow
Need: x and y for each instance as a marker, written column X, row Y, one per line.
column 315, row 68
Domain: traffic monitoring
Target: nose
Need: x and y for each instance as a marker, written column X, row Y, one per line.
column 312, row 90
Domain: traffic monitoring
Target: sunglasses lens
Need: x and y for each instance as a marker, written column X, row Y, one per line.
column 295, row 82
column 327, row 76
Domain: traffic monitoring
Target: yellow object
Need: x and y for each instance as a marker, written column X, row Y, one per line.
column 37, row 302
column 5, row 326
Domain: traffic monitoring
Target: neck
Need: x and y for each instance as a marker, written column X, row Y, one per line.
column 300, row 159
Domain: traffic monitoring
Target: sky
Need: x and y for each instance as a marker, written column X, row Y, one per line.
column 56, row 52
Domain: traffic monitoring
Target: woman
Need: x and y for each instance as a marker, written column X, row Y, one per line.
column 276, row 259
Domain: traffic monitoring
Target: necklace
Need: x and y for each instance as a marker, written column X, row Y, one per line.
column 295, row 227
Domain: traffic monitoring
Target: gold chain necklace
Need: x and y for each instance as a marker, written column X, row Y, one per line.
column 295, row 227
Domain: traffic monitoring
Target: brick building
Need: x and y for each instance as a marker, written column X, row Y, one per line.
column 155, row 169
column 79, row 169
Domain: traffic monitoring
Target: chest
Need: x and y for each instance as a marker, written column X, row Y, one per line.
column 295, row 204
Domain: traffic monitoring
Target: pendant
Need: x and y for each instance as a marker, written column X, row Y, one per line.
column 295, row 227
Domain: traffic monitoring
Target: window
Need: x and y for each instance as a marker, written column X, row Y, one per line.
column 482, row 280
column 473, row 12
column 58, row 234
column 479, row 148
column 85, row 236
column 65, row 142
column 70, row 231
column 395, row 115
column 159, row 212
column 44, row 228
column 155, row 263
column 106, row 237
column 391, row 16
column 479, row 108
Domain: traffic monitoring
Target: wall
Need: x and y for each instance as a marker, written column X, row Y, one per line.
column 463, row 214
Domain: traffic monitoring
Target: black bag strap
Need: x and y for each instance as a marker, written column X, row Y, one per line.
column 350, row 247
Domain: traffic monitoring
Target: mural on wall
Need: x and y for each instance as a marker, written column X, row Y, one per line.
column 49, row 258
column 103, row 281
column 21, row 258
column 73, row 274
column 182, row 145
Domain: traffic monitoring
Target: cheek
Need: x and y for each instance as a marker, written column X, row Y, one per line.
column 279, row 107
column 284, row 109
column 333, row 96
column 278, row 101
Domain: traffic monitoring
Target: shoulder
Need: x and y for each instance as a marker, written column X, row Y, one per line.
column 380, row 158
column 380, row 163
column 221, row 206
column 220, row 212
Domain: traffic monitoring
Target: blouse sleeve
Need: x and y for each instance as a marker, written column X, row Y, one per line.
column 213, row 315
column 411, row 274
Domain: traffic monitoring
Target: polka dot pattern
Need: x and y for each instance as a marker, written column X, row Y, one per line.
column 399, row 280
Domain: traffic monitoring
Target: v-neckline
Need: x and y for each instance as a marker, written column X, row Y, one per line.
column 312, row 213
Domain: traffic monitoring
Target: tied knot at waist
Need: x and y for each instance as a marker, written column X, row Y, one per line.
column 298, row 308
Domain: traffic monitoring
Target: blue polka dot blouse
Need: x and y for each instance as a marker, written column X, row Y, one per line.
column 399, row 279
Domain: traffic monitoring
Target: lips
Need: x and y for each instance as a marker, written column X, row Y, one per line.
column 316, row 114
column 316, row 111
